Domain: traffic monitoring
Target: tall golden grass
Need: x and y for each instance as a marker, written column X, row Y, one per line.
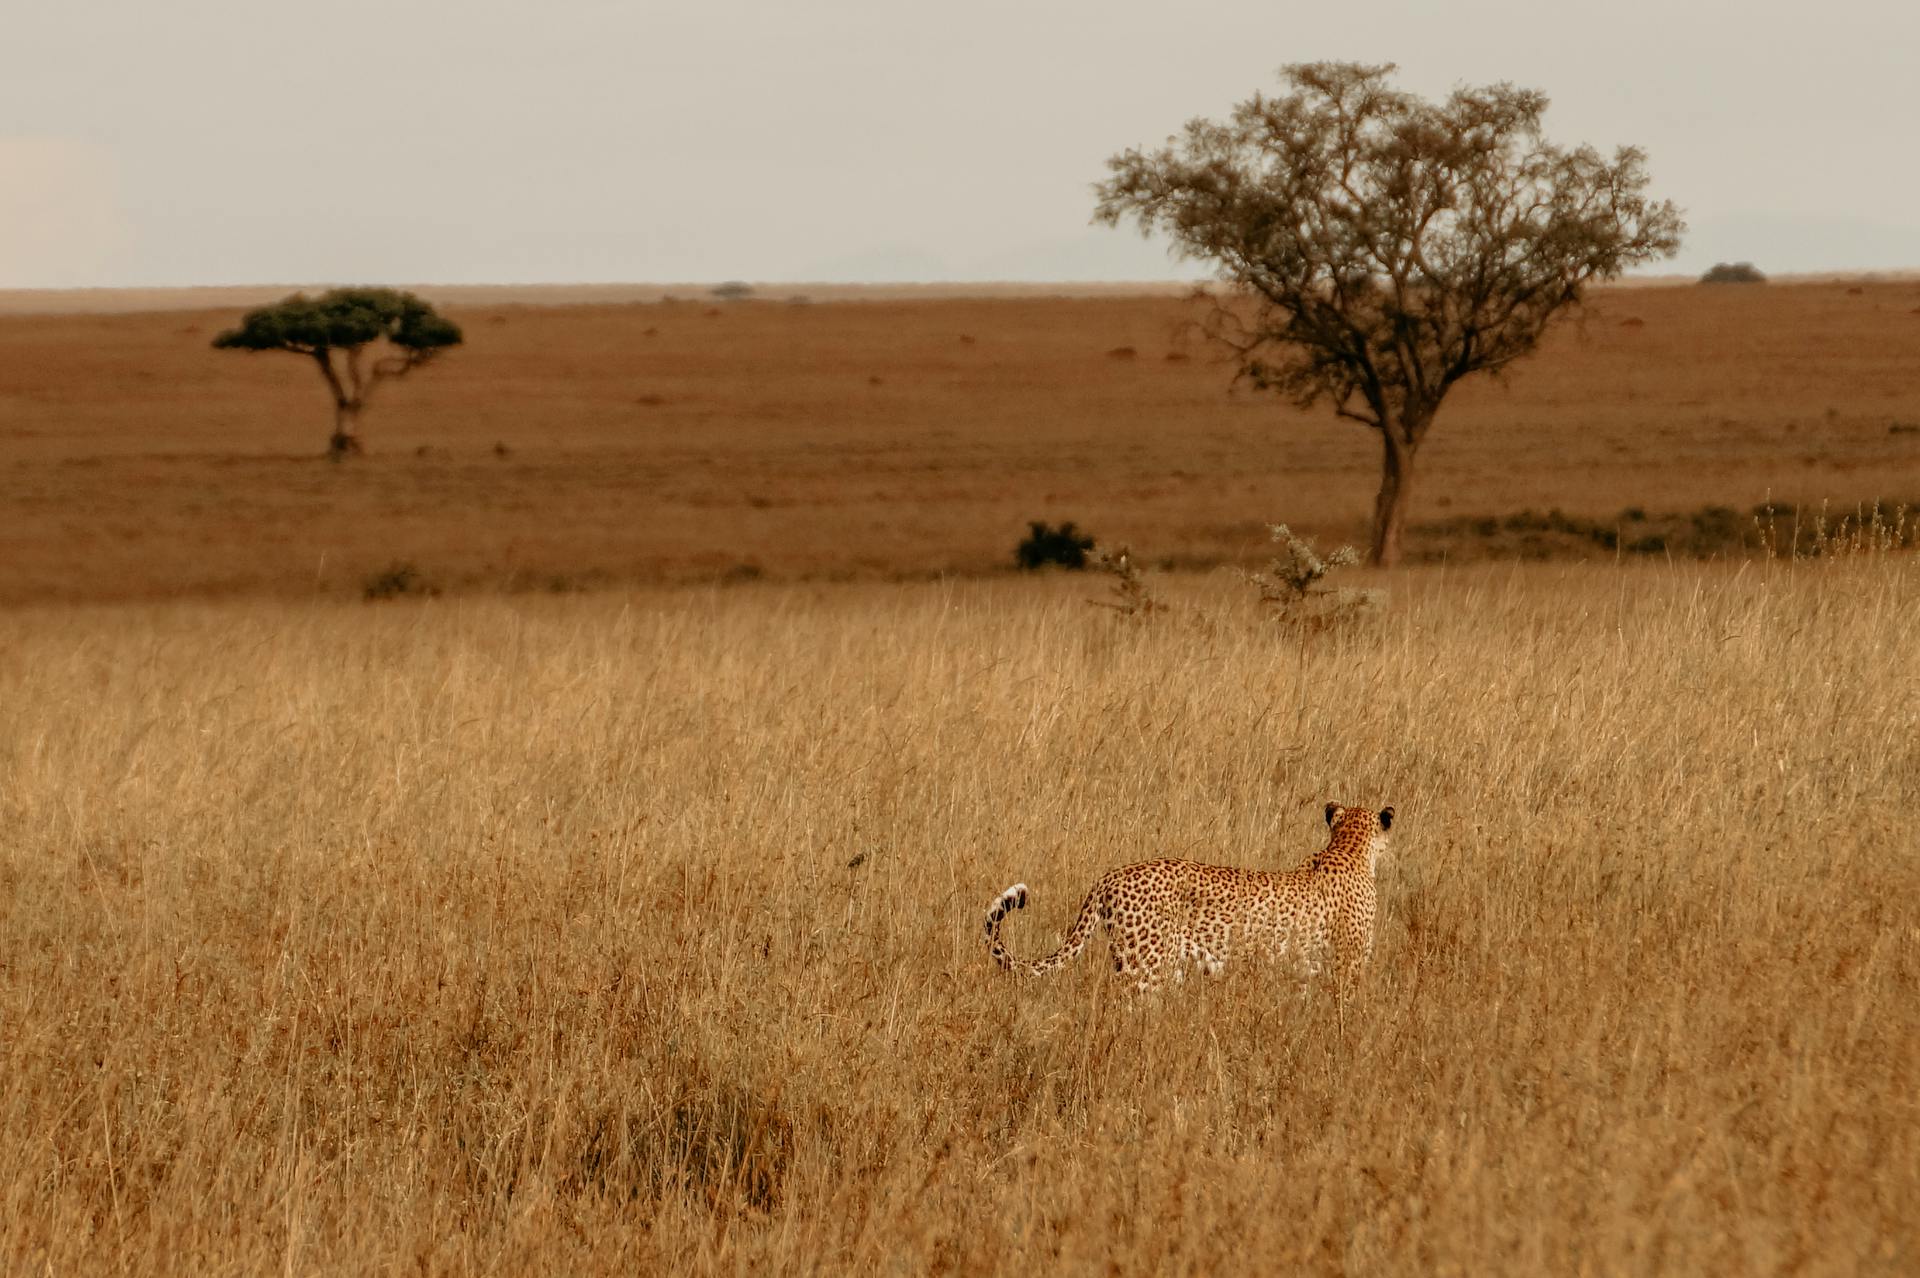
column 640, row 933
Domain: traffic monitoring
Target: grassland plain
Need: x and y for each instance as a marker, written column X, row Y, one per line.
column 633, row 932
column 901, row 437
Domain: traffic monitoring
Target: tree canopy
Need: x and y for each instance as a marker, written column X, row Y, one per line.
column 1389, row 245
column 334, row 329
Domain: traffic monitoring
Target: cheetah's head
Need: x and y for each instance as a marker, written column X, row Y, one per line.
column 1359, row 827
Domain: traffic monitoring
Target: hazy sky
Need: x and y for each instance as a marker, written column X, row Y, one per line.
column 205, row 142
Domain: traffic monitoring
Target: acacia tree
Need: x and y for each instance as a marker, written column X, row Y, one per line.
column 1380, row 247
column 335, row 330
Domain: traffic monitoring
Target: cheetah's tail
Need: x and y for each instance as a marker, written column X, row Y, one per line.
column 1015, row 898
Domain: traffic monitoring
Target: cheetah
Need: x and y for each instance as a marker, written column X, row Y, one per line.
column 1161, row 915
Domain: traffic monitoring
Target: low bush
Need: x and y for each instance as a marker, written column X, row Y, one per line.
column 398, row 580
column 1066, row 546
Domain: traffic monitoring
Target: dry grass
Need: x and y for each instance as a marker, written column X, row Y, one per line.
column 595, row 935
column 904, row 437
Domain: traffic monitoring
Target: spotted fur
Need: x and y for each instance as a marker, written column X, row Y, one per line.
column 1161, row 915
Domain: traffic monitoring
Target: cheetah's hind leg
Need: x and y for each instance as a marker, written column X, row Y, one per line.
column 1197, row 951
column 1146, row 964
column 1209, row 946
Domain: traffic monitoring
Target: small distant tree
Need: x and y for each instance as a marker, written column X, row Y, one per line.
column 1733, row 273
column 335, row 330
column 1131, row 595
column 1380, row 247
column 1294, row 584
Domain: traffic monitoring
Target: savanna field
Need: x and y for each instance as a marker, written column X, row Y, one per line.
column 593, row 446
column 618, row 908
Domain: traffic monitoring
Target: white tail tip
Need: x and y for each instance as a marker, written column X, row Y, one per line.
column 1014, row 898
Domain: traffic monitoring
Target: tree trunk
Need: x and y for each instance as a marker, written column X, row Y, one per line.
column 346, row 432
column 1390, row 507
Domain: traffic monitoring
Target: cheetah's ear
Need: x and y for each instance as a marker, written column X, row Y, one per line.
column 1386, row 818
column 1333, row 810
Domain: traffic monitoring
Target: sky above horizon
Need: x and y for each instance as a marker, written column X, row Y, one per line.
column 204, row 142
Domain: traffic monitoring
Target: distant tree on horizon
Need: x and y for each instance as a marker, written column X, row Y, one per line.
column 334, row 330
column 1734, row 273
column 1381, row 247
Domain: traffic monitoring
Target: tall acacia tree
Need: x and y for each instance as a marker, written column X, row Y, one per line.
column 1380, row 247
column 335, row 330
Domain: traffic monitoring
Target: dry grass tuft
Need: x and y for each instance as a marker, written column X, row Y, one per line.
column 586, row 935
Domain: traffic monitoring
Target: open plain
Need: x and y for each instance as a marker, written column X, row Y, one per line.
column 585, row 446
column 637, row 928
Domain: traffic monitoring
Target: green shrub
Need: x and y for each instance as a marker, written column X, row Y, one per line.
column 1066, row 546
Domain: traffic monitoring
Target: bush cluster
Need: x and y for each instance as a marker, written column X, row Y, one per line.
column 1066, row 546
